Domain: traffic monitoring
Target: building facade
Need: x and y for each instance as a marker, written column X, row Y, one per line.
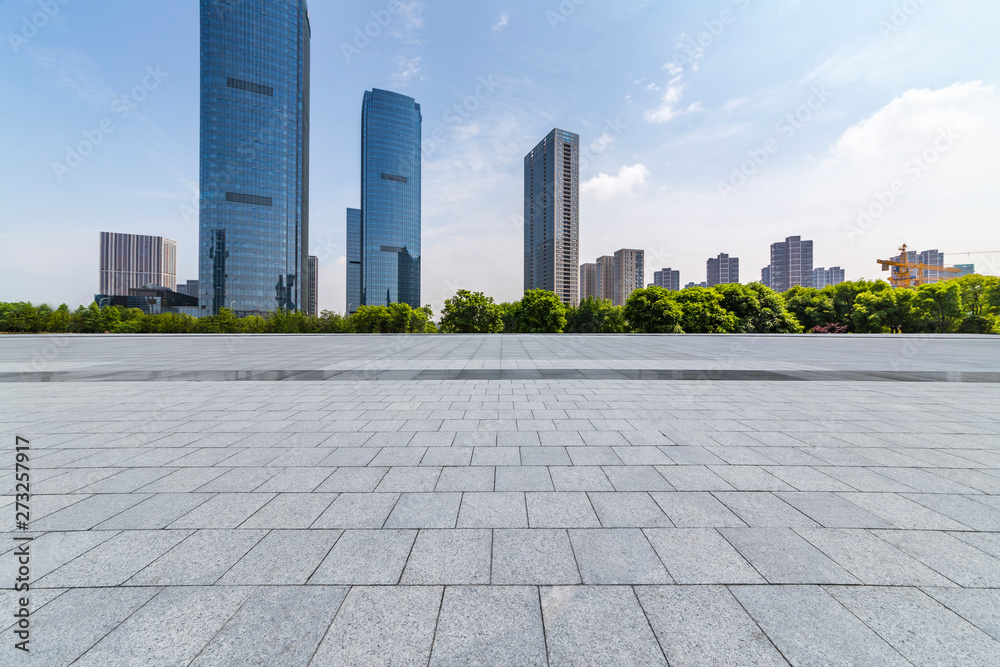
column 254, row 183
column 630, row 274
column 387, row 242
column 928, row 257
column 588, row 282
column 668, row 279
column 552, row 216
column 791, row 264
column 131, row 261
column 967, row 270
column 823, row 277
column 723, row 270
column 313, row 300
column 189, row 288
column 606, row 278
column 353, row 260
column 765, row 276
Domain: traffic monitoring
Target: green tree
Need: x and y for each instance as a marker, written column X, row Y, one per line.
column 371, row 319
column 471, row 313
column 653, row 310
column 332, row 323
column 224, row 322
column 885, row 311
column 703, row 312
column 940, row 306
column 59, row 320
column 811, row 307
column 845, row 294
column 540, row 312
column 758, row 309
column 595, row 316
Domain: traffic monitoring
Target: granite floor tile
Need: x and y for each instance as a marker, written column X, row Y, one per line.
column 962, row 563
column 533, row 557
column 200, row 560
column 449, row 557
column 477, row 478
column 579, row 478
column 701, row 556
column 282, row 558
column 290, row 510
column 114, row 561
column 616, row 556
column 561, row 510
column 696, row 510
column 523, row 478
column 783, row 557
column 425, row 510
column 225, row 510
column 628, row 510
column 351, row 561
column 981, row 607
column 764, row 510
column 357, row 510
column 493, row 510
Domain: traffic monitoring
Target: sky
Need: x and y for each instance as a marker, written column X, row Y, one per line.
column 706, row 127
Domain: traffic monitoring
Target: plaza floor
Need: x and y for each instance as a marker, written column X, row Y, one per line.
column 505, row 500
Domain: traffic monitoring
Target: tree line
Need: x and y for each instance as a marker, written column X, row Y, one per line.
column 967, row 305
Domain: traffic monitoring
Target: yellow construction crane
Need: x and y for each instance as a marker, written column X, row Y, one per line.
column 913, row 274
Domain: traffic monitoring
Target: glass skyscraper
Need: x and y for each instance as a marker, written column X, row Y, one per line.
column 552, row 216
column 390, row 203
column 254, row 208
column 353, row 260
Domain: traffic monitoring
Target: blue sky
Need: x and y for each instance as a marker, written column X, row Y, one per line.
column 708, row 127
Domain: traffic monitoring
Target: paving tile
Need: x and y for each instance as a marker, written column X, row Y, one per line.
column 921, row 629
column 579, row 478
column 902, row 512
column 478, row 478
column 357, row 510
column 810, row 627
column 282, row 558
column 560, row 510
column 382, row 626
column 496, row 456
column 295, row 480
column 783, row 557
column 114, row 561
column 988, row 542
column 696, row 510
column 963, row 509
column 53, row 550
column 350, row 457
column 764, row 510
column 832, row 511
column 523, row 478
column 239, row 480
column 597, row 626
column 806, row 478
column 533, row 557
column 409, row 480
column 171, row 628
column 750, row 478
column 962, row 563
column 351, row 560
column 447, row 456
column 184, row 480
column 352, row 480
column 89, row 512
column 545, row 456
column 636, row 478
column 277, row 627
column 481, row 625
column 981, row 607
column 693, row 478
column 64, row 629
column 705, row 625
column 399, row 457
column 155, row 512
column 628, row 510
column 225, row 510
column 449, row 557
column 493, row 510
column 425, row 510
column 617, row 556
column 701, row 556
column 290, row 510
column 593, row 456
column 200, row 560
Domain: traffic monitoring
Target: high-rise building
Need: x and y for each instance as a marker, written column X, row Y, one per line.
column 668, row 279
column 190, row 288
column 791, row 264
column 134, row 261
column 765, row 276
column 390, row 219
column 588, row 282
column 630, row 274
column 967, row 270
column 313, row 300
column 723, row 270
column 254, row 189
column 928, row 257
column 823, row 277
column 353, row 260
column 690, row 285
column 606, row 278
column 552, row 216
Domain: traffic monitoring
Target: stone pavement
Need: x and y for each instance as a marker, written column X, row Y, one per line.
column 330, row 511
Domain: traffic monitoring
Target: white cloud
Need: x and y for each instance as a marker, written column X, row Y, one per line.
column 409, row 68
column 501, row 22
column 604, row 186
column 670, row 108
column 409, row 23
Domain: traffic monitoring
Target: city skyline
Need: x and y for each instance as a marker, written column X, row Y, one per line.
column 661, row 127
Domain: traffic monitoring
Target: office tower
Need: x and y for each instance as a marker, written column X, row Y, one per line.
column 390, row 202
column 313, row 300
column 189, row 288
column 254, row 208
column 823, row 277
column 668, row 279
column 765, row 276
column 133, row 261
column 588, row 282
column 791, row 264
column 630, row 274
column 723, row 270
column 552, row 216
column 690, row 285
column 606, row 278
column 967, row 270
column 353, row 260
column 928, row 257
